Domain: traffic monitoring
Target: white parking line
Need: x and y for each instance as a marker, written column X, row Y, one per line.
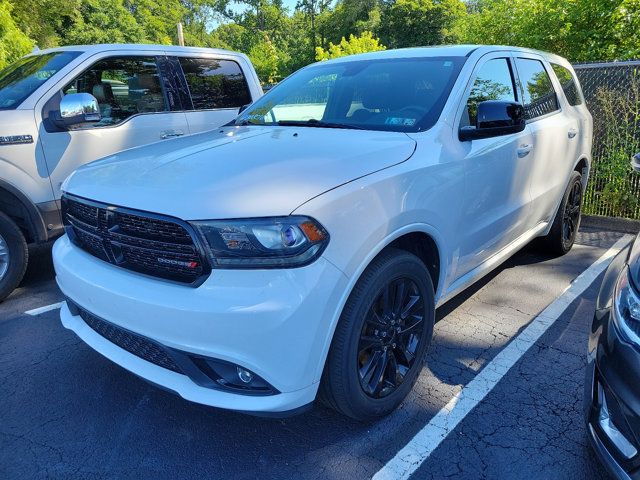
column 47, row 308
column 414, row 453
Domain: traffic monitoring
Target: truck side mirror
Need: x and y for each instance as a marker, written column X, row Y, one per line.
column 77, row 109
column 635, row 162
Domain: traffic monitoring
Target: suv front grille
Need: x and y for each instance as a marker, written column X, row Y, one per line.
column 139, row 241
column 131, row 342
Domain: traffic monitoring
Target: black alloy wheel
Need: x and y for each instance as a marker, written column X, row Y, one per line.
column 390, row 337
column 380, row 343
column 571, row 215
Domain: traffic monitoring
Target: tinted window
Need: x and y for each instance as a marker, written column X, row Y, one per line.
column 493, row 82
column 22, row 78
column 215, row 83
column 384, row 94
column 123, row 86
column 539, row 95
column 569, row 85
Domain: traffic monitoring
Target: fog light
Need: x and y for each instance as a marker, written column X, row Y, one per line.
column 245, row 376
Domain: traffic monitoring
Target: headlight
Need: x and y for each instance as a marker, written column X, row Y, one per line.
column 279, row 242
column 626, row 304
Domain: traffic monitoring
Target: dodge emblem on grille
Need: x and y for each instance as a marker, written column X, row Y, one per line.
column 168, row 261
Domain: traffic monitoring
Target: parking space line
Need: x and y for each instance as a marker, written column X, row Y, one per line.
column 420, row 447
column 47, row 308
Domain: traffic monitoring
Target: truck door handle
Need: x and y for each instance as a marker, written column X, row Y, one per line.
column 572, row 132
column 523, row 150
column 171, row 134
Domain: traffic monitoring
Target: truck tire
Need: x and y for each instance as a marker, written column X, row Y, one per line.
column 14, row 256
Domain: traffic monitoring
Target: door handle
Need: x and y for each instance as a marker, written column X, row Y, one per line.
column 572, row 132
column 523, row 150
column 171, row 134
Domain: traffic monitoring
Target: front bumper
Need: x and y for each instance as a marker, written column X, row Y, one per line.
column 613, row 386
column 275, row 323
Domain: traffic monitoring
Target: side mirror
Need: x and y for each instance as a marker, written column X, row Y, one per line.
column 495, row 118
column 635, row 162
column 243, row 108
column 77, row 109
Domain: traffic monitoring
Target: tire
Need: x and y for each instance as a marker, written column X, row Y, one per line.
column 346, row 385
column 566, row 223
column 14, row 256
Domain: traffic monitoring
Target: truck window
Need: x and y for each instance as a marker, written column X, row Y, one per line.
column 123, row 86
column 215, row 83
column 20, row 79
column 539, row 96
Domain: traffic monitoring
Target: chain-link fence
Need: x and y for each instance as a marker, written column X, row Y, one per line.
column 612, row 92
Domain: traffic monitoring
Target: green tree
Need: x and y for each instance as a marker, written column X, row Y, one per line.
column 104, row 21
column 46, row 21
column 13, row 42
column 580, row 30
column 366, row 42
column 412, row 23
column 264, row 57
column 157, row 18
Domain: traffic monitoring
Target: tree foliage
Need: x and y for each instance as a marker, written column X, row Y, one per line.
column 13, row 42
column 280, row 40
column 410, row 23
column 363, row 43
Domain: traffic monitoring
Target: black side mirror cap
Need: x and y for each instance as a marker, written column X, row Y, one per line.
column 495, row 118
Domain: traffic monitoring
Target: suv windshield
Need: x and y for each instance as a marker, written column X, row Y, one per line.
column 22, row 78
column 405, row 95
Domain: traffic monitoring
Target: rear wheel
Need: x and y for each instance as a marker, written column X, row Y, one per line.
column 381, row 339
column 13, row 256
column 566, row 223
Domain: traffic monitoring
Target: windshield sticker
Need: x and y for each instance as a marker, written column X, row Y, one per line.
column 406, row 122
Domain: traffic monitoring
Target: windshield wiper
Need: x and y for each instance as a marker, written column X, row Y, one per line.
column 243, row 123
column 317, row 124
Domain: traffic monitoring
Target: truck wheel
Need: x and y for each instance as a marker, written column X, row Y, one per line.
column 380, row 343
column 13, row 256
column 566, row 223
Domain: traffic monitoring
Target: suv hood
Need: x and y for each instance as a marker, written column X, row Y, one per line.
column 238, row 172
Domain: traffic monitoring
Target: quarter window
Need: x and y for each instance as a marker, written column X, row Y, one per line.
column 215, row 83
column 123, row 86
column 539, row 96
column 493, row 82
column 569, row 84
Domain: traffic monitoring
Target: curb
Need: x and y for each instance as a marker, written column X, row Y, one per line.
column 615, row 224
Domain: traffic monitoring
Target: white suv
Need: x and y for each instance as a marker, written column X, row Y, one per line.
column 64, row 107
column 302, row 249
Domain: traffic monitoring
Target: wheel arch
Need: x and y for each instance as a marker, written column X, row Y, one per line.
column 400, row 238
column 17, row 206
column 583, row 166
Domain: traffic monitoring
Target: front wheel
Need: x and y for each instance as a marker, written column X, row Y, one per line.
column 13, row 256
column 566, row 223
column 381, row 339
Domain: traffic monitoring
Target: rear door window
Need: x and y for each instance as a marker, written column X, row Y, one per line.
column 123, row 86
column 215, row 83
column 569, row 84
column 538, row 93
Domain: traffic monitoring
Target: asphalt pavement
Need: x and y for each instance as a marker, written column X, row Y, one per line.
column 67, row 412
